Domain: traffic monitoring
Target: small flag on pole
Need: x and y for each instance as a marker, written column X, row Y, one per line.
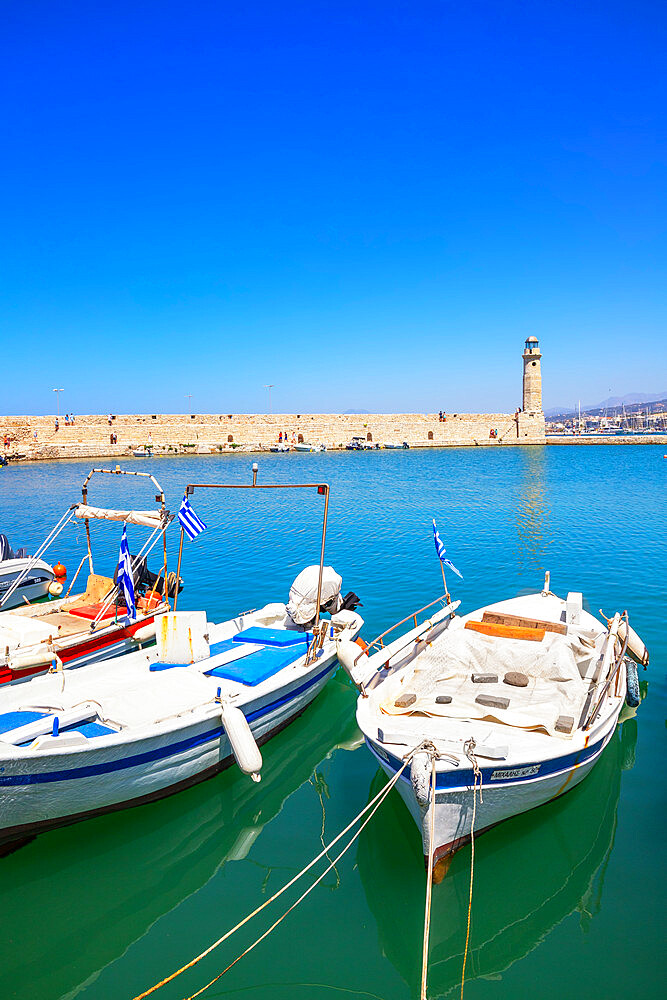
column 124, row 579
column 441, row 550
column 191, row 524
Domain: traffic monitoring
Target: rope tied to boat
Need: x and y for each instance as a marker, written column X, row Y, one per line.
column 370, row 808
column 469, row 750
column 433, row 753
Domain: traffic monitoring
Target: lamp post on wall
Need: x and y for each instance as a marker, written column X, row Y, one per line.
column 58, row 400
column 188, row 396
column 270, row 387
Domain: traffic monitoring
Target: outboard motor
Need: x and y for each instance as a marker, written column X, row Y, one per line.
column 302, row 605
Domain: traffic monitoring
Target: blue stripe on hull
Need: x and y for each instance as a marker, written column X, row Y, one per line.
column 460, row 780
column 159, row 753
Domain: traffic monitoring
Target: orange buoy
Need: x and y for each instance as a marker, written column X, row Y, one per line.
column 360, row 642
column 59, row 571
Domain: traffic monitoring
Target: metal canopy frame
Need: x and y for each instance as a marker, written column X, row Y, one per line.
column 323, row 489
column 159, row 500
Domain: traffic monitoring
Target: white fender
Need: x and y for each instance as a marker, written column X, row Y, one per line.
column 55, row 588
column 21, row 661
column 420, row 778
column 636, row 647
column 347, row 651
column 239, row 734
column 144, row 634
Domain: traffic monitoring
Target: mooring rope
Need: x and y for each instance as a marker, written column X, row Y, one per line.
column 373, row 805
column 469, row 748
column 310, row 888
column 429, row 882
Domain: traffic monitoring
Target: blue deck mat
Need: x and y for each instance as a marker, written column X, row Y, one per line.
column 272, row 636
column 12, row 720
column 258, row 666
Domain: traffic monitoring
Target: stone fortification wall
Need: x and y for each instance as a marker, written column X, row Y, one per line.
column 90, row 436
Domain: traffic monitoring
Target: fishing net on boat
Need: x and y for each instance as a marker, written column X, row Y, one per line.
column 446, row 668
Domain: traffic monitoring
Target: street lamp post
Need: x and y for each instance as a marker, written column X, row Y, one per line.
column 188, row 396
column 58, row 400
column 270, row 387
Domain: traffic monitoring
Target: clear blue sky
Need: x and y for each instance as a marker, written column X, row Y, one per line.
column 355, row 201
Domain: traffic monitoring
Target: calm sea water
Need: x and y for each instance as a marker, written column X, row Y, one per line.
column 568, row 900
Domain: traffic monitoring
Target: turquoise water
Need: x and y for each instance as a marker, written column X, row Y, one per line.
column 568, row 900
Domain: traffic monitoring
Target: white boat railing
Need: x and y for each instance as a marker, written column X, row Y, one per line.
column 378, row 643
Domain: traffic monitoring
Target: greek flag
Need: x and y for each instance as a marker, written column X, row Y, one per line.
column 441, row 550
column 124, row 580
column 190, row 523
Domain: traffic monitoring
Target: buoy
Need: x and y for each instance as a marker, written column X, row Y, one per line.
column 239, row 734
column 632, row 695
column 59, row 570
column 55, row 588
column 360, row 642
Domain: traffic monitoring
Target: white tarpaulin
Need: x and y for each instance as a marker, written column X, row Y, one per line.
column 446, row 667
column 302, row 605
column 146, row 518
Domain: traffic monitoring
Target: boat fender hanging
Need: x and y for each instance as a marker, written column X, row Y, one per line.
column 55, row 588
column 636, row 647
column 363, row 645
column 243, row 744
column 59, row 570
column 632, row 695
column 420, row 778
column 354, row 662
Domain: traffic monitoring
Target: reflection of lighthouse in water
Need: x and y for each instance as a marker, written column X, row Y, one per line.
column 517, row 903
column 532, row 514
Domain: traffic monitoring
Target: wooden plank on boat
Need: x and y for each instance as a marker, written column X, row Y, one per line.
column 500, row 618
column 506, row 631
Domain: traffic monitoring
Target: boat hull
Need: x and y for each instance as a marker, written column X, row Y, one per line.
column 69, row 786
column 105, row 644
column 506, row 791
column 35, row 585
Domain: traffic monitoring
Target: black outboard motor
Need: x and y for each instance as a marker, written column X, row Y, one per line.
column 350, row 602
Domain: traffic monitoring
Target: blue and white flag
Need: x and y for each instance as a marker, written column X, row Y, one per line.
column 124, row 579
column 441, row 550
column 191, row 524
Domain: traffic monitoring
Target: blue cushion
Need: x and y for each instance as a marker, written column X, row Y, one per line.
column 12, row 720
column 91, row 729
column 259, row 666
column 271, row 636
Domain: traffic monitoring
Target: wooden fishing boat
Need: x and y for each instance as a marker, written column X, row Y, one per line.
column 90, row 624
column 519, row 698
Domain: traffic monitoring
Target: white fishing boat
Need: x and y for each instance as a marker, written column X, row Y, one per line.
column 280, row 447
column 502, row 709
column 90, row 623
column 145, row 451
column 28, row 579
column 88, row 741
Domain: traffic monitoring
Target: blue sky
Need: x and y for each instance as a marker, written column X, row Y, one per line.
column 367, row 204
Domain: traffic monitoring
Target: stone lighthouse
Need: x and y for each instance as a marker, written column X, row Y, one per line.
column 532, row 377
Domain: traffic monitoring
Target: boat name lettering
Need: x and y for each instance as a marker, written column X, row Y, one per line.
column 515, row 772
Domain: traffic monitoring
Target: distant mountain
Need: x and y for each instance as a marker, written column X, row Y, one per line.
column 606, row 404
column 350, row 413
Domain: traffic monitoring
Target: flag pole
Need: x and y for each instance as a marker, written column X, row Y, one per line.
column 442, row 567
column 178, row 569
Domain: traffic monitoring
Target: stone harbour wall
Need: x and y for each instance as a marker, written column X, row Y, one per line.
column 35, row 437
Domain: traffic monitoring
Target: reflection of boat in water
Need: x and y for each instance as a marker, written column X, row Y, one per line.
column 516, row 903
column 107, row 887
